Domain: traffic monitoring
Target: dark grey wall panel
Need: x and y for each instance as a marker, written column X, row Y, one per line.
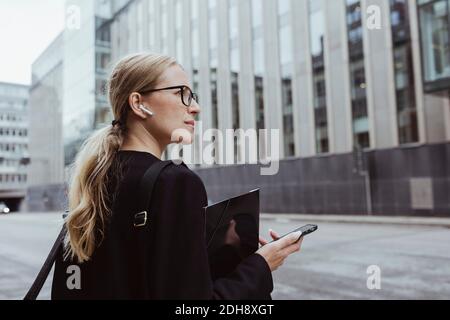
column 329, row 185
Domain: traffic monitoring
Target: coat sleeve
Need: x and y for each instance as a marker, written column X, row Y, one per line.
column 180, row 267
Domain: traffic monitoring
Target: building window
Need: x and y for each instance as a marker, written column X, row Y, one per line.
column 103, row 31
column 435, row 38
column 179, row 16
column 404, row 73
column 152, row 25
column 286, row 61
column 233, row 30
column 139, row 25
column 213, row 59
column 102, row 60
column 358, row 85
column 195, row 34
column 258, row 60
column 195, row 43
column 101, row 87
column 164, row 27
column 233, row 24
column 316, row 38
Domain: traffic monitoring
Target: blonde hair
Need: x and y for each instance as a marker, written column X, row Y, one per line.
column 88, row 199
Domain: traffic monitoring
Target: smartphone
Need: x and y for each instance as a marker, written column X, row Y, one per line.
column 306, row 229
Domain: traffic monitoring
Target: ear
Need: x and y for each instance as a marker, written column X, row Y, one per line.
column 134, row 101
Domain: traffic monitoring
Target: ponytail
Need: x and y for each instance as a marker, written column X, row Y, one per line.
column 88, row 199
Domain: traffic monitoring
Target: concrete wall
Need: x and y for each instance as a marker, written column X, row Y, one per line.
column 45, row 115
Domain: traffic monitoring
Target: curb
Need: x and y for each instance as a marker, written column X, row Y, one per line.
column 411, row 221
column 286, row 217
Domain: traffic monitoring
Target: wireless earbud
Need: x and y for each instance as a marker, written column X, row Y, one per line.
column 144, row 109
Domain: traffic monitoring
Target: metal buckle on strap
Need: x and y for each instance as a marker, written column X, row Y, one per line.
column 140, row 219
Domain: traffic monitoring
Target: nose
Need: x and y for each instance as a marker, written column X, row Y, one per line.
column 194, row 108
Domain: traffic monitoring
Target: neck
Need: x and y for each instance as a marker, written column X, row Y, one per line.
column 139, row 139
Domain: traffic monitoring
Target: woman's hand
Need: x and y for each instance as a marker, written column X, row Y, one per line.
column 276, row 252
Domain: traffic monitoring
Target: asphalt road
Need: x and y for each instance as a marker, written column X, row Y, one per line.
column 414, row 261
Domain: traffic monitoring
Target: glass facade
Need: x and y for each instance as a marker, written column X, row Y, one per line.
column 234, row 59
column 434, row 16
column 164, row 27
column 233, row 30
column 179, row 16
column 357, row 75
column 195, row 58
column 140, row 25
column 158, row 19
column 317, row 34
column 258, row 60
column 286, row 63
column 152, row 25
column 213, row 59
column 404, row 72
column 195, row 34
column 102, row 65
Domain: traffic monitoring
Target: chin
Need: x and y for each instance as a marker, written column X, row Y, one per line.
column 182, row 134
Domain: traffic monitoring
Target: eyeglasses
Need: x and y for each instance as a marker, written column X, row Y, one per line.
column 186, row 94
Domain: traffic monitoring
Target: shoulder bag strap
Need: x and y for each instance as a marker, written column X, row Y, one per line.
column 145, row 191
column 45, row 270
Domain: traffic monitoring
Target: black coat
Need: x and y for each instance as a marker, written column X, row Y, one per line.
column 170, row 260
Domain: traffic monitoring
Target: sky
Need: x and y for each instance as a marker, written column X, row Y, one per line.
column 27, row 27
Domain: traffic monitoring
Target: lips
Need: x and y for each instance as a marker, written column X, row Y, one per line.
column 190, row 122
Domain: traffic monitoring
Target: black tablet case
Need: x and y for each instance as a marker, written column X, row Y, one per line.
column 232, row 232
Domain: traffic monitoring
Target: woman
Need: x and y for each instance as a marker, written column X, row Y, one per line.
column 106, row 258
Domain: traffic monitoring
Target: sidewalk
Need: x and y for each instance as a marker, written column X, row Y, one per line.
column 397, row 220
column 393, row 220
